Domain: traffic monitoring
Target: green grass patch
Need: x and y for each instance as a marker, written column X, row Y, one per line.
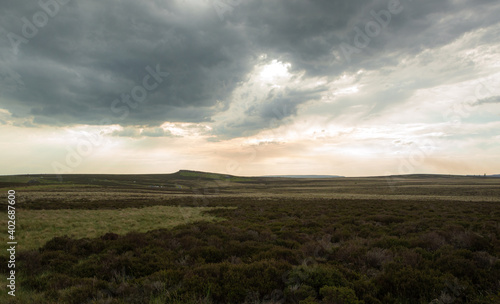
column 35, row 227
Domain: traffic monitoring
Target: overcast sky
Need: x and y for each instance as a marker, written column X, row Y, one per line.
column 250, row 87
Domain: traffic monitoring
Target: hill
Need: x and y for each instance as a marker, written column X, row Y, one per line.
column 304, row 176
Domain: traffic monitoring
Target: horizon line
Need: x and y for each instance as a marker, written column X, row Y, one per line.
column 265, row 176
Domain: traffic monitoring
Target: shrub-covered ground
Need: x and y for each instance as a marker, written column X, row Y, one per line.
column 286, row 248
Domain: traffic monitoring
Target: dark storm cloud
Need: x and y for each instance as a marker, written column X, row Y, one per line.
column 92, row 52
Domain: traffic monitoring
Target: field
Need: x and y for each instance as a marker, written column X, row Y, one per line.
column 194, row 237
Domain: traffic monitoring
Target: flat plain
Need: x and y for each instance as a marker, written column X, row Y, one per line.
column 194, row 237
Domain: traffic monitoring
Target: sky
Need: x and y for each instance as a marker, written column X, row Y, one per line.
column 250, row 87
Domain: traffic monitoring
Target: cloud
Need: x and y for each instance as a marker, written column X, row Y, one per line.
column 86, row 64
column 91, row 53
column 134, row 132
column 492, row 99
column 156, row 132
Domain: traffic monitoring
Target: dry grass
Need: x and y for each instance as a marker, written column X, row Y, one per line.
column 36, row 227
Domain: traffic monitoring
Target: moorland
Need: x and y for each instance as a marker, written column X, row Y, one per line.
column 195, row 237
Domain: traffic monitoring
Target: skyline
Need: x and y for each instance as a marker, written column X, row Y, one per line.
column 250, row 88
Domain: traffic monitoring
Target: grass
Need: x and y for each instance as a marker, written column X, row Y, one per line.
column 47, row 187
column 18, row 178
column 36, row 227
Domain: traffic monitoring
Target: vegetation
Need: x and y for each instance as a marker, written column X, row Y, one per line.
column 413, row 240
column 34, row 228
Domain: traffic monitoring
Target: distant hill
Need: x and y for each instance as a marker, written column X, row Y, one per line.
column 492, row 175
column 179, row 179
column 304, row 176
column 189, row 174
column 438, row 176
